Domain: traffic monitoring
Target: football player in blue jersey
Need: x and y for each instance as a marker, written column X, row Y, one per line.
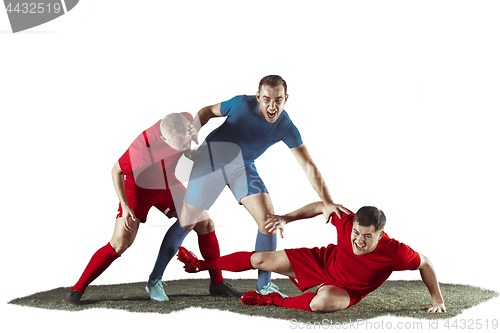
column 253, row 124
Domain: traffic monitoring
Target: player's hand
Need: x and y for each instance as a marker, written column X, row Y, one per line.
column 187, row 153
column 333, row 208
column 191, row 154
column 435, row 307
column 193, row 132
column 275, row 223
column 128, row 216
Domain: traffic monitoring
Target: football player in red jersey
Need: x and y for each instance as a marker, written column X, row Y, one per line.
column 363, row 258
column 145, row 177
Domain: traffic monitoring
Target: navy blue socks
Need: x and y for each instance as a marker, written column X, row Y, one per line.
column 264, row 243
column 169, row 247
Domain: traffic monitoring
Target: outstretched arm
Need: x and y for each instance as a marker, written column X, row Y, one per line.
column 278, row 222
column 316, row 179
column 429, row 277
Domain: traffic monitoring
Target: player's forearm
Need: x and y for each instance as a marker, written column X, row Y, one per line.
column 318, row 183
column 429, row 278
column 308, row 211
column 119, row 183
column 312, row 173
column 203, row 116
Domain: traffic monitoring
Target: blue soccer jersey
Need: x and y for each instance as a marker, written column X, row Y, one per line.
column 252, row 133
column 227, row 156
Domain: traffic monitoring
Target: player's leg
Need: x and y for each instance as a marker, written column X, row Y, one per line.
column 205, row 186
column 306, row 270
column 190, row 215
column 170, row 244
column 121, row 240
column 209, row 248
column 259, row 205
column 274, row 261
column 330, row 298
column 169, row 203
column 251, row 192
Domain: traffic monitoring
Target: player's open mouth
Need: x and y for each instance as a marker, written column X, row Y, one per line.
column 358, row 247
column 272, row 115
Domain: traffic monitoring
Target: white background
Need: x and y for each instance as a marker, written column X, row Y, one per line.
column 397, row 102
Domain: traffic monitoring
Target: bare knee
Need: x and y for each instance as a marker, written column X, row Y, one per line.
column 320, row 304
column 120, row 245
column 330, row 299
column 191, row 215
column 257, row 259
column 122, row 238
column 203, row 227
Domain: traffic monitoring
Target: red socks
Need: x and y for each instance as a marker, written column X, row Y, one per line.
column 209, row 248
column 298, row 302
column 98, row 264
column 235, row 262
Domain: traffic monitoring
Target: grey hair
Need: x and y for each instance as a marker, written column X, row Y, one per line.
column 172, row 124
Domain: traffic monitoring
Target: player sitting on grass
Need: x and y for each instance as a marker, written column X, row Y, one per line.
column 363, row 258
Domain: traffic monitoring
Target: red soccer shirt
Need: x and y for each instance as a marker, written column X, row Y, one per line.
column 149, row 162
column 363, row 274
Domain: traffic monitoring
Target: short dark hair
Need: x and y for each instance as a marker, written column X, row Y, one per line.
column 368, row 215
column 272, row 81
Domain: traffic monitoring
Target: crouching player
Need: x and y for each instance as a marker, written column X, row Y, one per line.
column 145, row 177
column 363, row 258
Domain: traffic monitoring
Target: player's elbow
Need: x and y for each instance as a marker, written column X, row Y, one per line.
column 116, row 170
column 209, row 112
column 425, row 263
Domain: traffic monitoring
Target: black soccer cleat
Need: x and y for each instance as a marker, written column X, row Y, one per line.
column 74, row 297
column 224, row 289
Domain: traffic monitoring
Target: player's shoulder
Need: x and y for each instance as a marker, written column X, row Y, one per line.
column 242, row 98
column 392, row 245
column 149, row 134
column 286, row 117
column 154, row 128
column 250, row 100
column 238, row 101
column 343, row 220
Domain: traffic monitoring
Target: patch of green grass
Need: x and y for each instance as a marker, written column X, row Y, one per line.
column 394, row 298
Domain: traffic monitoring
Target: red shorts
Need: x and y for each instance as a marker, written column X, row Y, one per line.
column 311, row 269
column 141, row 200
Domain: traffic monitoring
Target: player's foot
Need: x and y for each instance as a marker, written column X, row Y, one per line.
column 254, row 298
column 74, row 297
column 270, row 288
column 191, row 263
column 224, row 289
column 155, row 290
